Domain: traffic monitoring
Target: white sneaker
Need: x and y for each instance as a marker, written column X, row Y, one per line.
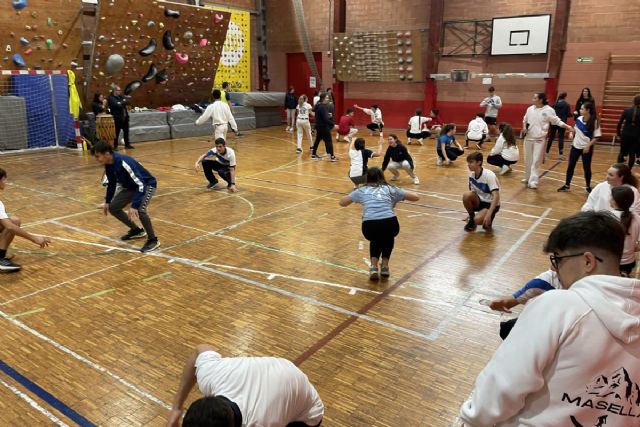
column 416, row 181
column 439, row 162
column 505, row 169
column 525, row 180
column 394, row 178
column 533, row 185
column 420, row 142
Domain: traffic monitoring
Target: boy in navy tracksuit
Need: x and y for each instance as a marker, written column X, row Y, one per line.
column 137, row 188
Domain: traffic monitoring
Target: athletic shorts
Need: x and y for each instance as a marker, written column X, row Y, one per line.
column 490, row 120
column 487, row 205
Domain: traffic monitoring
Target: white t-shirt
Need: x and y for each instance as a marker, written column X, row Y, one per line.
column 3, row 213
column 359, row 159
column 600, row 199
column 493, row 104
column 315, row 100
column 630, row 240
column 270, row 391
column 376, row 116
column 581, row 138
column 484, row 185
column 303, row 112
column 538, row 120
column 227, row 159
column 416, row 123
column 477, row 127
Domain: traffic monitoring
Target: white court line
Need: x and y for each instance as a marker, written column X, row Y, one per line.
column 86, row 361
column 34, row 404
column 453, row 313
column 310, row 300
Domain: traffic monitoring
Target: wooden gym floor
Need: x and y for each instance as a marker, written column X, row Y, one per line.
column 276, row 269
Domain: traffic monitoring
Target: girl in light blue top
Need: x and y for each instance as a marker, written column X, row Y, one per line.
column 379, row 222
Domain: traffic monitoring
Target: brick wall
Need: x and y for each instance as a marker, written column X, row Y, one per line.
column 594, row 21
column 464, row 9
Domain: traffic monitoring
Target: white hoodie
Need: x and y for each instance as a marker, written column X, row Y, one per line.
column 538, row 120
column 572, row 359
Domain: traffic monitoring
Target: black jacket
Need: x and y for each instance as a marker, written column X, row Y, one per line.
column 290, row 101
column 118, row 107
column 631, row 124
column 324, row 120
column 399, row 153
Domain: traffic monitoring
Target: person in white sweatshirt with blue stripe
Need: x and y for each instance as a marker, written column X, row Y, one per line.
column 572, row 359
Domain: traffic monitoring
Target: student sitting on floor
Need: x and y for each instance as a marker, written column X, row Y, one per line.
column 418, row 127
column 505, row 152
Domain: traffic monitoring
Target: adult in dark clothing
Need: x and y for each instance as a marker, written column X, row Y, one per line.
column 118, row 108
column 324, row 126
column 290, row 104
column 99, row 104
column 629, row 134
column 585, row 96
column 398, row 157
column 563, row 110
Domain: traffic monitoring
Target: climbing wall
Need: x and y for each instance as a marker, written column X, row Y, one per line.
column 235, row 62
column 159, row 53
column 379, row 56
column 39, row 34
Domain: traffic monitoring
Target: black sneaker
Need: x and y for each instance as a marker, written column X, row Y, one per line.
column 384, row 272
column 212, row 185
column 135, row 233
column 565, row 188
column 129, row 147
column 8, row 265
column 588, row 190
column 334, row 159
column 298, row 150
column 471, row 224
column 151, row 245
column 315, row 157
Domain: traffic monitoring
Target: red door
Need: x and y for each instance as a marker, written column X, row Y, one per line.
column 298, row 73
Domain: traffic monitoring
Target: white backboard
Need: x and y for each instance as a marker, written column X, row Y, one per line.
column 522, row 35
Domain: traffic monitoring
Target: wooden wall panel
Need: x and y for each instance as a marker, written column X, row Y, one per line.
column 41, row 20
column 124, row 28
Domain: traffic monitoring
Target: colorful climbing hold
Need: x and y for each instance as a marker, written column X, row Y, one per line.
column 151, row 24
column 24, row 41
column 18, row 60
column 182, row 58
column 149, row 49
column 161, row 25
column 19, row 4
column 28, row 51
column 49, row 21
column 8, row 49
column 217, row 18
column 49, row 43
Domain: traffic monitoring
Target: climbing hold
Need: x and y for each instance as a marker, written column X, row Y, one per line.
column 410, row 77
column 19, row 4
column 74, row 64
column 8, row 49
column 187, row 35
column 150, row 74
column 132, row 86
column 34, row 14
column 49, row 21
column 134, row 22
column 64, row 45
column 167, row 42
column 27, row 27
column 407, row 34
column 101, row 73
column 37, row 67
column 149, row 49
column 28, row 51
column 18, row 60
column 114, row 63
column 49, row 43
column 162, row 76
column 24, row 41
column 101, row 38
column 151, row 24
column 60, row 32
column 182, row 58
column 171, row 13
column 12, row 34
column 217, row 18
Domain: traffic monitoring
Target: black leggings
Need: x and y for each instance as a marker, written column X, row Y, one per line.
column 629, row 146
column 323, row 134
column 574, row 154
column 498, row 160
column 381, row 234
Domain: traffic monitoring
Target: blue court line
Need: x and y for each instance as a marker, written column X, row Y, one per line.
column 46, row 396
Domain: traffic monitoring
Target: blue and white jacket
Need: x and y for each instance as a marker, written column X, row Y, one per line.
column 131, row 175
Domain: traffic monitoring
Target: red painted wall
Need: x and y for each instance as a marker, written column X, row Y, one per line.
column 396, row 113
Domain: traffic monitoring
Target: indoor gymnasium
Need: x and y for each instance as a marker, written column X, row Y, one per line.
column 272, row 213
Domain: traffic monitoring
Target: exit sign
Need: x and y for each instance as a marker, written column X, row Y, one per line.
column 584, row 59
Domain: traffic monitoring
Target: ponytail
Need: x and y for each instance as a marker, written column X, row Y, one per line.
column 623, row 197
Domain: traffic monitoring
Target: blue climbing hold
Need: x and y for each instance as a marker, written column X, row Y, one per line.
column 19, row 4
column 19, row 60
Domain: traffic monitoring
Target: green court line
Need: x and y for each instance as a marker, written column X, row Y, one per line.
column 157, row 276
column 97, row 294
column 26, row 313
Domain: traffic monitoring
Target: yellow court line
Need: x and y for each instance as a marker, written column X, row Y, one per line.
column 97, row 294
column 157, row 276
column 26, row 313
